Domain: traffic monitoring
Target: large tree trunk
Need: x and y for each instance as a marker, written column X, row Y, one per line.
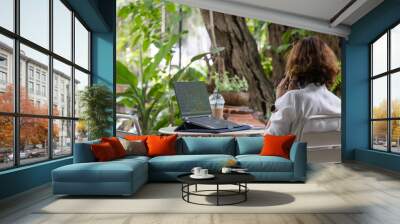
column 240, row 57
column 275, row 32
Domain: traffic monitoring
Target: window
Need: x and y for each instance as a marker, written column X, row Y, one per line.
column 81, row 45
column 81, row 81
column 7, row 14
column 6, row 73
column 62, row 29
column 30, row 88
column 35, row 21
column 3, row 61
column 30, row 72
column 44, row 91
column 385, row 96
column 38, row 89
column 37, row 74
column 47, row 77
column 62, row 74
column 62, row 140
column 3, row 71
column 3, row 78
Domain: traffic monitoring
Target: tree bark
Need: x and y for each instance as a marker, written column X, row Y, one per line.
column 275, row 32
column 240, row 57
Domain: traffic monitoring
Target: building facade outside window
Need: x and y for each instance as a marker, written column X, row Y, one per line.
column 385, row 94
column 45, row 120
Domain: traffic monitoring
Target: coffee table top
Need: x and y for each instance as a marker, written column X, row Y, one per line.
column 220, row 178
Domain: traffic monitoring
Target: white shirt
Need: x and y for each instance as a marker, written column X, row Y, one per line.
column 296, row 105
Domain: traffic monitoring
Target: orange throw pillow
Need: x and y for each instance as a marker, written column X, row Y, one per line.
column 136, row 137
column 116, row 145
column 277, row 145
column 103, row 152
column 161, row 145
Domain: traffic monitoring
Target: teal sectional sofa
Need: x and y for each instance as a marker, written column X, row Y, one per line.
column 125, row 176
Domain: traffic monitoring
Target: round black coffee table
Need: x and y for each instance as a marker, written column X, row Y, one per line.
column 238, row 179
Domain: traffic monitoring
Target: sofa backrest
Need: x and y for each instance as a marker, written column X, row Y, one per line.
column 249, row 145
column 83, row 153
column 190, row 146
column 206, row 145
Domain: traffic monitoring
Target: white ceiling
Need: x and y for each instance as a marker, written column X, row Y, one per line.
column 321, row 9
column 317, row 15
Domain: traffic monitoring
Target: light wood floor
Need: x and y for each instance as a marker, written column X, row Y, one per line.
column 379, row 189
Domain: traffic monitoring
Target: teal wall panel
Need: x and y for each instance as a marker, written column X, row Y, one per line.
column 103, row 64
column 24, row 178
column 356, row 99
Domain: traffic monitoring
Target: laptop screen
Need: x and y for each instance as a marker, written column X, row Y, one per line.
column 192, row 98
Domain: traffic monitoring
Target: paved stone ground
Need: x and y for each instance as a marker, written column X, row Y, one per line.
column 242, row 115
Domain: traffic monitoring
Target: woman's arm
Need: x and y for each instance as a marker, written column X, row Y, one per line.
column 286, row 84
column 281, row 120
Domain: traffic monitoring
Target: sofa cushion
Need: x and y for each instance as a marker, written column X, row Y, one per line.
column 133, row 158
column 209, row 145
column 257, row 163
column 103, row 152
column 112, row 171
column 249, row 145
column 277, row 145
column 161, row 145
column 116, row 145
column 185, row 163
column 134, row 147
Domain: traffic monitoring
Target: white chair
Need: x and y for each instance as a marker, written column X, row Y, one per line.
column 127, row 125
column 322, row 146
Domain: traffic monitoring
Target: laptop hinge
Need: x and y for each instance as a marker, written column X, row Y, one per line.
column 188, row 117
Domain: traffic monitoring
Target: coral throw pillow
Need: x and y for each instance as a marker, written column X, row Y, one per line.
column 103, row 152
column 116, row 145
column 161, row 145
column 136, row 137
column 277, row 145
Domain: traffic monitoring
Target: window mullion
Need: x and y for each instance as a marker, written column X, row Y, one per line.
column 73, row 81
column 50, row 81
column 16, row 70
column 389, row 104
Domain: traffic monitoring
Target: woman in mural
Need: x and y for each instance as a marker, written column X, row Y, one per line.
column 310, row 69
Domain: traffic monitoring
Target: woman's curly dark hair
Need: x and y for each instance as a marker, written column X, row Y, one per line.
column 312, row 61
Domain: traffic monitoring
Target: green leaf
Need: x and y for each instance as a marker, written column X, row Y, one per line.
column 124, row 76
column 124, row 11
column 161, row 54
column 213, row 51
column 283, row 48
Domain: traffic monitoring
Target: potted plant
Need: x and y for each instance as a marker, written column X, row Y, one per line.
column 96, row 103
column 233, row 88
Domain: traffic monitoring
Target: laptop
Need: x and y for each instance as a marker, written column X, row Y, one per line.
column 195, row 107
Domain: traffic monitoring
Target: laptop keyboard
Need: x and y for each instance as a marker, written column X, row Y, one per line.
column 214, row 123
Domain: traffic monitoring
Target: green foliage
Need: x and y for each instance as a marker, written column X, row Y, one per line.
column 96, row 102
column 153, row 97
column 259, row 30
column 336, row 87
column 290, row 37
column 145, row 54
column 230, row 83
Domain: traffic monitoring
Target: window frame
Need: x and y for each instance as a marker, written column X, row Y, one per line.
column 388, row 74
column 16, row 114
